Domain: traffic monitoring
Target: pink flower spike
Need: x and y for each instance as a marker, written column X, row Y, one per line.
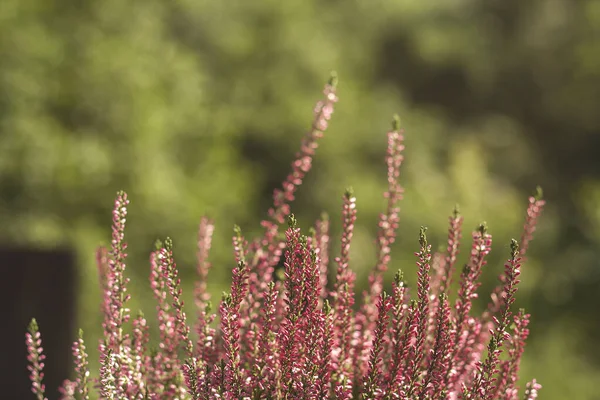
column 399, row 310
column 534, row 210
column 230, row 328
column 484, row 382
column 300, row 167
column 388, row 221
column 81, row 367
column 372, row 384
column 322, row 249
column 171, row 277
column 117, row 314
column 205, row 234
column 434, row 378
column 454, row 236
column 343, row 292
column 36, row 360
column 108, row 382
column 422, row 312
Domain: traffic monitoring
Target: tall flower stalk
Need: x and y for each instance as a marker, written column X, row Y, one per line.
column 36, row 360
column 81, row 367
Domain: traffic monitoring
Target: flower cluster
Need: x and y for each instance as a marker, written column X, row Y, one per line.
column 298, row 336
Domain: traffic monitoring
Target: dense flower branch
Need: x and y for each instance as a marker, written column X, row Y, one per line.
column 296, row 335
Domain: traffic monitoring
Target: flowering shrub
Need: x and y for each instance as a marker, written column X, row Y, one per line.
column 301, row 337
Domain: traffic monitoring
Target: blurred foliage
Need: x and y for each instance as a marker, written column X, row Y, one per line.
column 197, row 107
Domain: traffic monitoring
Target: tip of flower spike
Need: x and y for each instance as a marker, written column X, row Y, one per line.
column 140, row 314
column 396, row 122
column 208, row 307
column 539, row 193
column 456, row 211
column 349, row 192
column 33, row 326
column 333, row 79
column 158, row 244
column 226, row 298
column 399, row 278
column 168, row 244
column 237, row 230
column 423, row 236
column 443, row 297
column 80, row 333
column 292, row 221
column 514, row 248
column 482, row 228
column 324, row 216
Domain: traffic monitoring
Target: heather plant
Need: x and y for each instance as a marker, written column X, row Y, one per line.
column 295, row 335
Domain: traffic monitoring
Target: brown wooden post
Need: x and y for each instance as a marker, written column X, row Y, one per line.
column 36, row 284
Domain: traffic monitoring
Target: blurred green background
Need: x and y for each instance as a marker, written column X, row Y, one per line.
column 197, row 107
